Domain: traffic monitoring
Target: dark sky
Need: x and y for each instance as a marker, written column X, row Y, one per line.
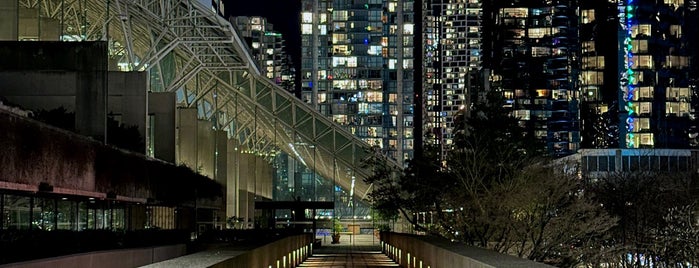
column 283, row 14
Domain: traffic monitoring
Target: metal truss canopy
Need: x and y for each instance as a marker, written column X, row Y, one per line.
column 188, row 49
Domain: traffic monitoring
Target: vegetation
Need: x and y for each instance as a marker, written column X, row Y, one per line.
column 497, row 190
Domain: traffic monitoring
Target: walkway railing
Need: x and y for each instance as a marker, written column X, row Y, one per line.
column 420, row 251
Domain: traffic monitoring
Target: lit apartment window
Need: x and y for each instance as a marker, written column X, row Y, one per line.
column 306, row 28
column 408, row 28
column 307, row 17
column 643, row 61
column 588, row 15
column 641, row 29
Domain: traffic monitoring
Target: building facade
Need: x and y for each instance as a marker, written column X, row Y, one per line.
column 357, row 68
column 532, row 52
column 452, row 65
column 639, row 91
column 268, row 49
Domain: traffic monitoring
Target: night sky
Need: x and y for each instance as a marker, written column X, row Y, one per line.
column 283, row 14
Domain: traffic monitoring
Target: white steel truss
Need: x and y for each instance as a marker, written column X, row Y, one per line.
column 186, row 48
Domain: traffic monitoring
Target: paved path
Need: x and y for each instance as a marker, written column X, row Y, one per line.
column 353, row 251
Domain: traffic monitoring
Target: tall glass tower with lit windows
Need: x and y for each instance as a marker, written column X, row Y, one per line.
column 452, row 65
column 357, row 68
column 639, row 89
column 532, row 50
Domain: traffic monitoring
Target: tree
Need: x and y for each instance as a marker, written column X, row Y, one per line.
column 657, row 219
column 498, row 191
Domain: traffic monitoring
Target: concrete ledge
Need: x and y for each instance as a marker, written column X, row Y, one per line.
column 286, row 252
column 108, row 259
column 419, row 251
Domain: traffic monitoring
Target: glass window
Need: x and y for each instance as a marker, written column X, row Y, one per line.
column 67, row 213
column 307, row 17
column 15, row 215
column 306, row 28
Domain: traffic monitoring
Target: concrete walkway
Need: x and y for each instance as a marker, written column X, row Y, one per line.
column 353, row 251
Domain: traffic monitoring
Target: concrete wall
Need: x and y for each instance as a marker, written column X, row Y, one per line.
column 187, row 137
column 81, row 67
column 9, row 19
column 127, row 98
column 107, row 259
column 299, row 246
column 419, row 251
column 205, row 148
column 161, row 105
column 35, row 90
column 73, row 90
column 34, row 153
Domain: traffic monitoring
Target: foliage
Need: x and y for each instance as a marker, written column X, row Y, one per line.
column 337, row 227
column 58, row 117
column 657, row 218
column 498, row 191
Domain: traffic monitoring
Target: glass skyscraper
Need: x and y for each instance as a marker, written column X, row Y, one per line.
column 533, row 55
column 639, row 73
column 452, row 65
column 357, row 68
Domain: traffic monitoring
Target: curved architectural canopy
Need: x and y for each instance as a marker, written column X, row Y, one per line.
column 186, row 48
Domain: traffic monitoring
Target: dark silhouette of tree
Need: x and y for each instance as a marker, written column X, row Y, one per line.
column 124, row 137
column 58, row 117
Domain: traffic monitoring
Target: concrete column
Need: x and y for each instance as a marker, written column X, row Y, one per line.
column 205, row 148
column 187, row 137
column 127, row 97
column 162, row 106
column 232, row 179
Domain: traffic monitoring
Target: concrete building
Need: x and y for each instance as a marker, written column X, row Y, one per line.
column 182, row 75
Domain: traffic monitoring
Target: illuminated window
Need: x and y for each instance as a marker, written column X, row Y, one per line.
column 323, row 18
column 643, row 93
column 374, row 50
column 592, row 78
column 588, row 15
column 640, row 46
column 643, row 61
column 306, row 28
column 588, row 46
column 541, row 32
column 677, row 93
column 676, row 61
column 307, row 17
column 351, row 61
column 339, row 38
column 640, row 30
column 339, row 15
column 676, row 31
column 323, row 29
column 514, row 12
column 408, row 28
column 642, row 124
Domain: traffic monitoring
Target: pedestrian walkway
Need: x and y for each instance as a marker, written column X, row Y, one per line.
column 353, row 251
